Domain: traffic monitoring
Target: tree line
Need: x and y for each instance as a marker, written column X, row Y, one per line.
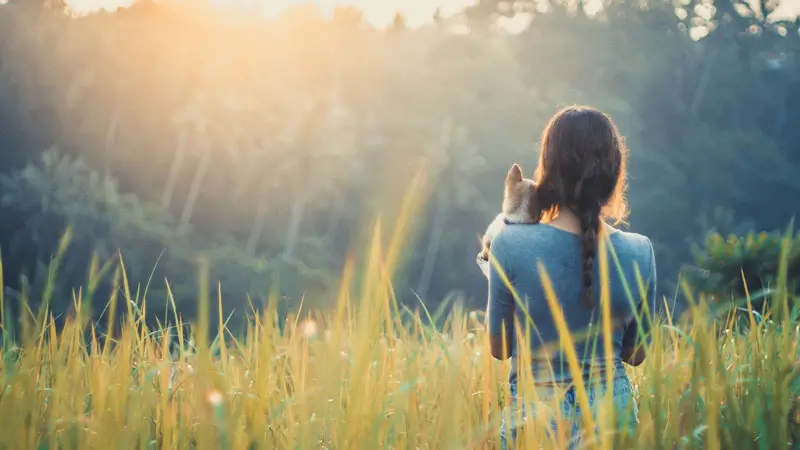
column 165, row 131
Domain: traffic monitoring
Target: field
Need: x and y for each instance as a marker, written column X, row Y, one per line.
column 369, row 374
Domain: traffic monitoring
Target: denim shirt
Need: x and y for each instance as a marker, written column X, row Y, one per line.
column 519, row 249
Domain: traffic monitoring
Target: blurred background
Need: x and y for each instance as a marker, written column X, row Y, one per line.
column 266, row 136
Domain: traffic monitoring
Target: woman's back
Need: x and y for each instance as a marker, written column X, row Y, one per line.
column 518, row 251
column 580, row 182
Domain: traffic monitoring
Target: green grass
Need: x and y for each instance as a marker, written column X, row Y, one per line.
column 370, row 374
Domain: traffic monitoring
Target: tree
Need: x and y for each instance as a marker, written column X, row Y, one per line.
column 213, row 122
column 398, row 24
column 453, row 160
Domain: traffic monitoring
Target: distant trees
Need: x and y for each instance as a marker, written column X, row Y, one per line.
column 269, row 146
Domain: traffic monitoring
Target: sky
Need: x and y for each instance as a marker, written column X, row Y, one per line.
column 379, row 13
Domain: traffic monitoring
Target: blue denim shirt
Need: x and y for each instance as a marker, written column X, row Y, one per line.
column 519, row 249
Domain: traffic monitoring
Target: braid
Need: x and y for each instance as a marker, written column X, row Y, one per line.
column 590, row 225
column 582, row 170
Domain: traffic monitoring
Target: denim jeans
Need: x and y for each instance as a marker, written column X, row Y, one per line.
column 551, row 398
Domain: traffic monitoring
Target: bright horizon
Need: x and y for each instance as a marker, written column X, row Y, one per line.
column 379, row 13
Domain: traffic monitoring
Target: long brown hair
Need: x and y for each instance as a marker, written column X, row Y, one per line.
column 582, row 167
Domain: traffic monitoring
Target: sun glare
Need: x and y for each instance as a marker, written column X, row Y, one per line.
column 88, row 6
column 379, row 13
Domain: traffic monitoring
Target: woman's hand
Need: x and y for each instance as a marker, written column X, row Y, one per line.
column 501, row 350
column 633, row 356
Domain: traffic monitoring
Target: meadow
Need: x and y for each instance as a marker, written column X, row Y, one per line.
column 167, row 131
column 370, row 373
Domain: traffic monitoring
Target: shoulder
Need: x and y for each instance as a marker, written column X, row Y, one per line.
column 518, row 232
column 522, row 239
column 634, row 246
column 633, row 239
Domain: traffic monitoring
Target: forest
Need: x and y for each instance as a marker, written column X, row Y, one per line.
column 164, row 133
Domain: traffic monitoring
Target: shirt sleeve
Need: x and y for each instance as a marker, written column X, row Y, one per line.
column 500, row 308
column 646, row 312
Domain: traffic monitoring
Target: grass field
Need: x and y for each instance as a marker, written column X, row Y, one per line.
column 370, row 375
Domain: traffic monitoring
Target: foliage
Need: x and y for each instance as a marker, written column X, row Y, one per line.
column 61, row 192
column 732, row 267
column 270, row 144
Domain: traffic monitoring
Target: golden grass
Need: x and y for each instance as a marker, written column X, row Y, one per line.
column 370, row 375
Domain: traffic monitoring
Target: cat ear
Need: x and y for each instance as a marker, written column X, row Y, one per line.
column 514, row 175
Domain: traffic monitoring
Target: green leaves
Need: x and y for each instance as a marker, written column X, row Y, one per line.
column 733, row 265
column 337, row 115
column 61, row 193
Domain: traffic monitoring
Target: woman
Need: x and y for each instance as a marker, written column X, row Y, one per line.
column 581, row 183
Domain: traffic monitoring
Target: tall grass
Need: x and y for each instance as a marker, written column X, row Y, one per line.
column 370, row 374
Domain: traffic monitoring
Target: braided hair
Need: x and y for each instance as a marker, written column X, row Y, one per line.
column 581, row 168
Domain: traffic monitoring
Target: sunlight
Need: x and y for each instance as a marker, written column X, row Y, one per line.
column 89, row 6
column 379, row 13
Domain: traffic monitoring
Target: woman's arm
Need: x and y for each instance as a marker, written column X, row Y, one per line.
column 637, row 333
column 500, row 308
column 633, row 348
